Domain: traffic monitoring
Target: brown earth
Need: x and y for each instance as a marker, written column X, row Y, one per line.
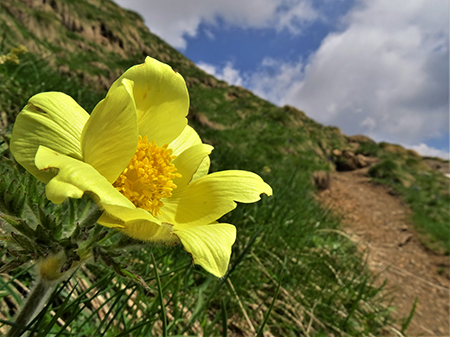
column 377, row 220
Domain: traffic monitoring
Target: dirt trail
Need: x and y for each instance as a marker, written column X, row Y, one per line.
column 377, row 221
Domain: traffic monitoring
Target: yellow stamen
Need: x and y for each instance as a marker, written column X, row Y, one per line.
column 148, row 177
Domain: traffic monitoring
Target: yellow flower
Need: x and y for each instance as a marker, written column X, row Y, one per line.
column 12, row 56
column 138, row 159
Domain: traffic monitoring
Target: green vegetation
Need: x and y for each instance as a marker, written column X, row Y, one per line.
column 289, row 258
column 325, row 286
column 390, row 170
column 425, row 191
column 368, row 149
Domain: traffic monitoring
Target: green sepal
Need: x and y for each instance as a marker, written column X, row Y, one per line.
column 18, row 224
column 24, row 243
column 108, row 258
column 70, row 249
column 57, row 231
column 6, row 238
column 14, row 199
column 42, row 236
column 77, row 233
column 18, row 203
column 72, row 210
column 45, row 219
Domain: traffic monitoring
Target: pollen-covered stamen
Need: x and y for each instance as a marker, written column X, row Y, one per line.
column 148, row 177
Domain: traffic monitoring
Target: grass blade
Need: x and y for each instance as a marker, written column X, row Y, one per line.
column 161, row 299
column 410, row 316
column 266, row 318
column 224, row 318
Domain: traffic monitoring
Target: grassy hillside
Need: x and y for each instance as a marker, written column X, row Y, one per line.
column 291, row 270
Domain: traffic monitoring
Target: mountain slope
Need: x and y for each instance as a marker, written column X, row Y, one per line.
column 81, row 47
column 94, row 41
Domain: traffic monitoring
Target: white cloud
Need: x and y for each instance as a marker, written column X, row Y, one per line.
column 172, row 20
column 228, row 73
column 274, row 79
column 293, row 18
column 208, row 68
column 385, row 74
column 426, row 150
column 231, row 75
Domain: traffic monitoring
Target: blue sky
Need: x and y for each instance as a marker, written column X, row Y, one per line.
column 373, row 67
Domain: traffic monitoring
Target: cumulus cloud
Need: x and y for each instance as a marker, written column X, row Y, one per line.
column 428, row 151
column 228, row 73
column 275, row 79
column 173, row 20
column 208, row 68
column 385, row 75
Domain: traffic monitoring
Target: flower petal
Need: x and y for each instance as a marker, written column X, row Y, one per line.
column 210, row 246
column 189, row 138
column 73, row 178
column 138, row 224
column 110, row 136
column 149, row 231
column 188, row 162
column 208, row 198
column 185, row 140
column 203, row 169
column 51, row 119
column 162, row 100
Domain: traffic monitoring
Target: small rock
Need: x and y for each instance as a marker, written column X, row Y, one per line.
column 404, row 228
column 348, row 154
column 321, row 180
column 405, row 239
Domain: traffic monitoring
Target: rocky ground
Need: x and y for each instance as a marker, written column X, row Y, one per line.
column 377, row 220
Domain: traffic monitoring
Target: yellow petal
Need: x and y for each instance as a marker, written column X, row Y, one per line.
column 138, row 224
column 210, row 246
column 187, row 164
column 73, row 178
column 203, row 169
column 208, row 198
column 110, row 136
column 185, row 140
column 162, row 100
column 51, row 119
column 149, row 231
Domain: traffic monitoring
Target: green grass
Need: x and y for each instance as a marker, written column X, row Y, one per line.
column 425, row 191
column 326, row 287
column 18, row 83
column 291, row 271
column 369, row 149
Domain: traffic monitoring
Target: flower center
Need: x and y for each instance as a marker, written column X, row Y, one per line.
column 148, row 177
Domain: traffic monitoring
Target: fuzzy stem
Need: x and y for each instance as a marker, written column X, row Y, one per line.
column 34, row 303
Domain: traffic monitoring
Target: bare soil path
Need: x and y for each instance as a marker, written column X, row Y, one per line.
column 377, row 221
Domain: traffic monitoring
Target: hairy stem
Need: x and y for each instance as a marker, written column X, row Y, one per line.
column 36, row 300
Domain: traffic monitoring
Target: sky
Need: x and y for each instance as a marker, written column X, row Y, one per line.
column 373, row 67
